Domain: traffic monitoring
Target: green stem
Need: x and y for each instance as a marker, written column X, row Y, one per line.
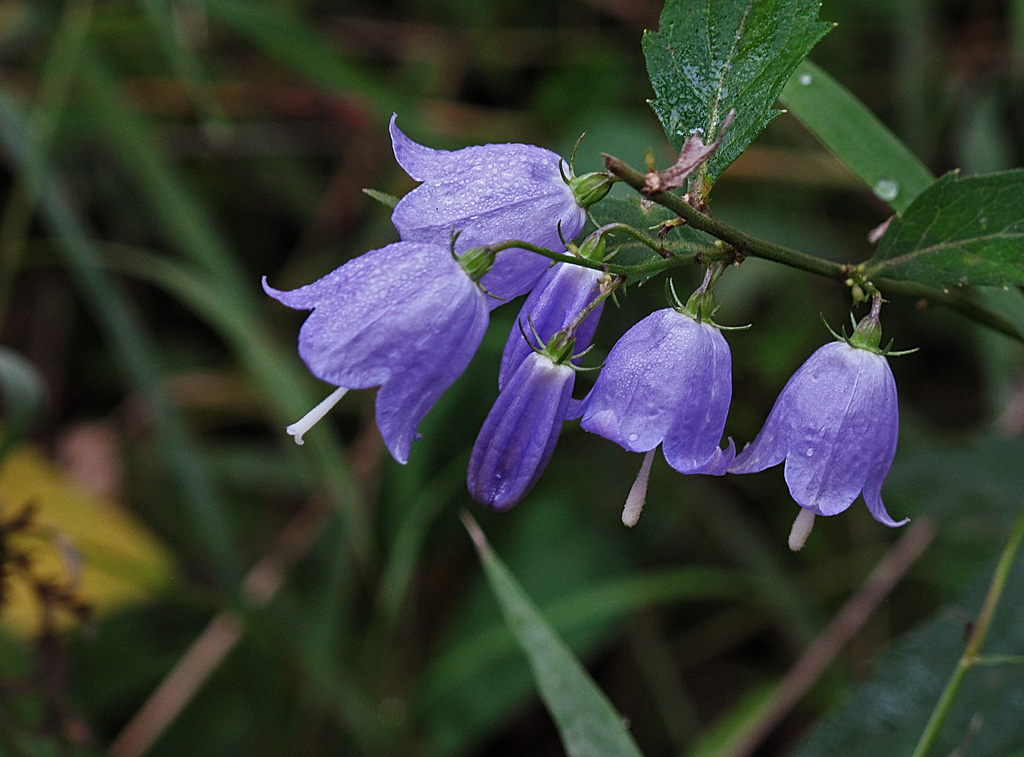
column 743, row 243
column 759, row 248
column 657, row 266
column 970, row 656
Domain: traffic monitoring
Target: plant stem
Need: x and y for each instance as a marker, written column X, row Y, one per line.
column 759, row 248
column 743, row 242
column 970, row 656
column 657, row 266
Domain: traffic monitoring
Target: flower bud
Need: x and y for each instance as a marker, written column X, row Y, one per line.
column 477, row 262
column 868, row 334
column 591, row 187
column 593, row 248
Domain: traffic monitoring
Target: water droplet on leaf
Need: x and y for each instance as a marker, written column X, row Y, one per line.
column 805, row 79
column 886, row 189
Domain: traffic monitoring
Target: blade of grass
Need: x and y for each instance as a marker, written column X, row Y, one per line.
column 171, row 30
column 284, row 385
column 587, row 722
column 288, row 39
column 856, row 136
column 229, row 298
column 54, row 85
column 131, row 346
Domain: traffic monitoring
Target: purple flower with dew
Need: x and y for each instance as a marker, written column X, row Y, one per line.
column 488, row 193
column 520, row 432
column 558, row 298
column 667, row 381
column 835, row 424
column 406, row 317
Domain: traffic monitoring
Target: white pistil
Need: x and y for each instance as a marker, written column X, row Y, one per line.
column 638, row 494
column 801, row 529
column 310, row 419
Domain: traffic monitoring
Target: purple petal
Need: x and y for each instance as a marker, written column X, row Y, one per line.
column 668, row 379
column 488, row 193
column 405, row 317
column 836, row 424
column 519, row 434
column 557, row 299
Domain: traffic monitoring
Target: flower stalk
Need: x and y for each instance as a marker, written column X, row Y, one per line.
column 970, row 657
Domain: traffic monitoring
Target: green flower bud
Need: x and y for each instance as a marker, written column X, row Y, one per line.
column 591, row 187
column 868, row 334
column 593, row 248
column 477, row 261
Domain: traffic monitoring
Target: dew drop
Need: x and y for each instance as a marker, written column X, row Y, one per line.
column 805, row 79
column 821, row 431
column 634, row 437
column 810, row 452
column 886, row 189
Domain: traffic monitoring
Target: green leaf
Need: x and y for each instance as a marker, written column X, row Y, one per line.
column 959, row 231
column 856, row 136
column 709, row 57
column 588, row 724
column 887, row 714
column 21, row 388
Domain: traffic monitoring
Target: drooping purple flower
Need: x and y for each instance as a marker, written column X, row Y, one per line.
column 520, row 432
column 561, row 294
column 406, row 317
column 488, row 193
column 835, row 424
column 667, row 381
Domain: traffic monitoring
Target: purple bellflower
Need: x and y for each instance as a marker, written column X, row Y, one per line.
column 407, row 317
column 488, row 194
column 559, row 297
column 520, row 432
column 835, row 424
column 667, row 381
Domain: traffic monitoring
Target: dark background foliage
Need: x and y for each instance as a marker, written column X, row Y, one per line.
column 159, row 157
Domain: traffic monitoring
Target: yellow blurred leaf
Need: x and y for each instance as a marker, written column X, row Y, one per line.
column 96, row 548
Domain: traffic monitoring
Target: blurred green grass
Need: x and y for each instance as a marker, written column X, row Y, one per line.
column 160, row 157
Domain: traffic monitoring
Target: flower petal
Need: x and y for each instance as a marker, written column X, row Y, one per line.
column 667, row 379
column 558, row 298
column 488, row 193
column 835, row 423
column 405, row 317
column 519, row 435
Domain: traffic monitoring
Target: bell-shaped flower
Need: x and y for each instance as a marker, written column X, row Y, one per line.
column 407, row 317
column 835, row 424
column 520, row 432
column 667, row 381
column 559, row 297
column 488, row 194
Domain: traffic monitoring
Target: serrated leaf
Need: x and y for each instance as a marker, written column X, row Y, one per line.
column 587, row 723
column 709, row 56
column 959, row 231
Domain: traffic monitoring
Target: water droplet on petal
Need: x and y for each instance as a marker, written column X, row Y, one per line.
column 634, row 437
column 810, row 452
column 886, row 189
